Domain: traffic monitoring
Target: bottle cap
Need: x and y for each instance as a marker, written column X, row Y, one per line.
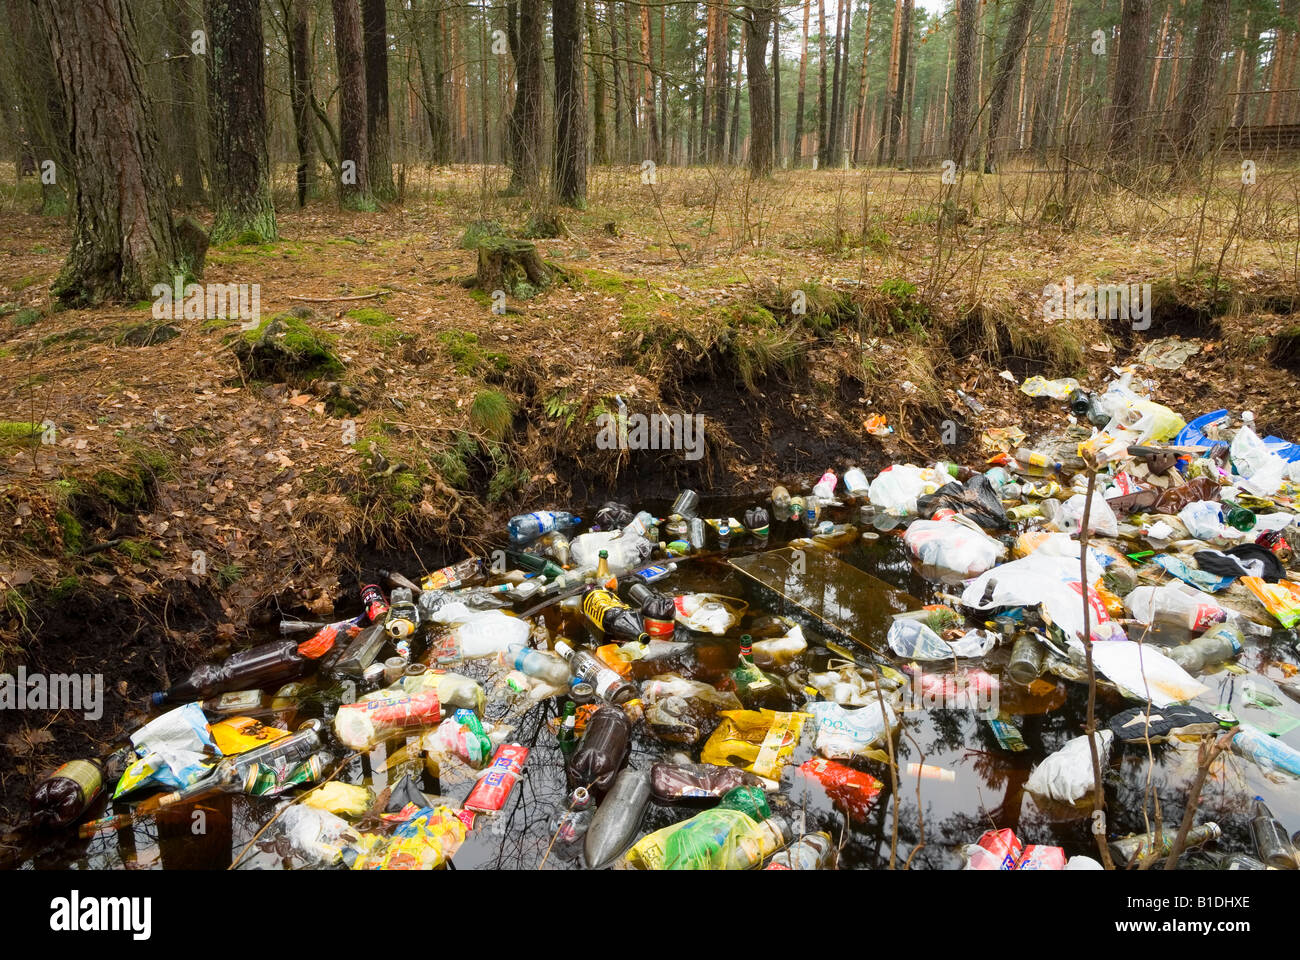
column 158, row 698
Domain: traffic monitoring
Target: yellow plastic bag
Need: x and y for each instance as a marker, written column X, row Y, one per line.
column 341, row 799
column 425, row 843
column 755, row 740
column 1282, row 599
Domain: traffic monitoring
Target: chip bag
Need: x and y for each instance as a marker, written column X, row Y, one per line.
column 1282, row 599
column 237, row 734
column 755, row 740
column 425, row 842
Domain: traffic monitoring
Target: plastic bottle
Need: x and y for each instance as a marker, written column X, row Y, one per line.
column 1221, row 642
column 780, row 503
column 529, row 526
column 556, row 546
column 61, row 798
column 644, row 524
column 812, row 851
column 696, row 536
column 855, row 482
column 1271, row 841
column 1169, row 604
column 454, row 690
column 723, row 839
column 611, row 616
column 266, row 665
column 758, row 522
column 403, row 617
column 824, row 489
column 676, row 782
column 607, row 684
column 604, row 748
column 1131, row 849
column 535, row 564
column 483, row 635
column 571, row 824
column 361, row 651
column 467, row 571
column 535, row 663
column 618, row 817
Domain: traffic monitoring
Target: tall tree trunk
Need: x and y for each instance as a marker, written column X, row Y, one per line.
column 1130, row 73
column 733, row 139
column 648, row 85
column 959, row 118
column 797, row 155
column 860, row 111
column 300, row 95
column 839, row 138
column 892, row 84
column 570, row 175
column 374, row 32
column 1197, row 115
column 600, row 146
column 1012, row 45
column 823, row 113
column 241, row 169
column 1175, row 67
column 896, row 112
column 426, row 28
column 828, row 157
column 758, row 25
column 610, row 13
column 721, row 87
column 777, row 138
column 632, row 45
column 526, row 118
column 1159, row 53
column 710, row 68
column 1245, row 71
column 354, row 157
column 1277, row 79
column 189, row 167
column 124, row 240
column 42, row 113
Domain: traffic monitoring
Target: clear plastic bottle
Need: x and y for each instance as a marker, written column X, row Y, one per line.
column 686, row 505
column 812, row 851
column 824, row 489
column 571, row 824
column 1221, row 642
column 1271, row 841
column 855, row 482
column 1131, row 849
column 780, row 503
column 530, row 526
column 535, row 663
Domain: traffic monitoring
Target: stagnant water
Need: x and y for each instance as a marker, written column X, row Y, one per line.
column 935, row 816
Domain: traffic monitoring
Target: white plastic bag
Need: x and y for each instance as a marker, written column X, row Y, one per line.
column 626, row 550
column 1142, row 672
column 897, row 487
column 488, row 633
column 916, row 641
column 1066, row 775
column 1251, row 457
column 1049, row 582
column 1203, row 519
column 1101, row 519
column 842, row 734
column 953, row 547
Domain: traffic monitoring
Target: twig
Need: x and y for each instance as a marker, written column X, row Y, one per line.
column 362, row 296
column 1194, row 796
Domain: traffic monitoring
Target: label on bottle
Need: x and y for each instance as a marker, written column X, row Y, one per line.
column 545, row 520
column 445, row 579
column 85, row 775
column 239, row 700
column 599, row 602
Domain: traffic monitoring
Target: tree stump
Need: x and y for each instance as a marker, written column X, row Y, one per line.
column 514, row 266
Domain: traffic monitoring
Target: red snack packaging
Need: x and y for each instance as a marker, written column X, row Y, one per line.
column 1040, row 857
column 851, row 788
column 996, row 850
column 490, row 793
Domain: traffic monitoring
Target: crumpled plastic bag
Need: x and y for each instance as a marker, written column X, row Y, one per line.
column 1142, row 672
column 1203, row 519
column 1066, row 775
column 914, row 640
column 424, row 842
column 977, row 500
column 1200, row 579
column 897, row 487
column 759, row 741
column 952, row 547
column 1282, row 599
column 1101, row 519
column 1262, row 469
column 1056, row 389
column 340, row 799
column 1049, row 582
column 844, row 734
column 843, row 683
column 175, row 750
column 319, row 837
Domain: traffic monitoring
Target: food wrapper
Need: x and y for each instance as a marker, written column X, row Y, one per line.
column 424, row 842
column 755, row 740
column 490, row 793
column 340, row 799
column 175, row 750
column 1282, row 599
column 237, row 734
column 365, row 723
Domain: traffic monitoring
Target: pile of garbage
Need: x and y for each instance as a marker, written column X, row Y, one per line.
column 1157, row 550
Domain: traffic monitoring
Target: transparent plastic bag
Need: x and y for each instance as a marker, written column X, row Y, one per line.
column 896, row 488
column 1066, row 775
column 1101, row 518
column 952, row 547
column 916, row 641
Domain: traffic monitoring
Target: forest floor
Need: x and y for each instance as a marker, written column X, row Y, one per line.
column 182, row 496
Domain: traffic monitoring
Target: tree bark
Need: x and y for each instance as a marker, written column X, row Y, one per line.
column 892, row 84
column 758, row 25
column 648, row 85
column 426, row 27
column 300, row 95
column 184, row 92
column 959, row 118
column 124, row 240
column 600, row 145
column 374, row 33
column 42, row 114
column 823, row 117
column 828, row 157
column 1012, row 45
column 1130, row 73
column 1198, row 114
column 896, row 112
column 525, row 126
column 354, row 183
column 860, row 111
column 796, row 158
column 1245, row 71
column 570, row 175
column 721, row 88
column 777, row 138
